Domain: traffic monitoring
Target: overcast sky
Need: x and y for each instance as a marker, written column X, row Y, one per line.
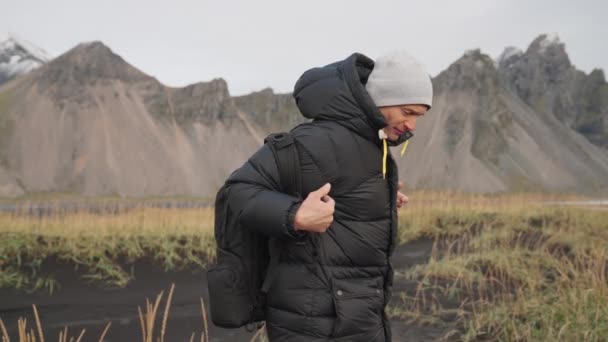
column 258, row 44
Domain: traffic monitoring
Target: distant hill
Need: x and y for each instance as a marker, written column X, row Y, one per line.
column 483, row 136
column 90, row 123
column 545, row 79
column 271, row 112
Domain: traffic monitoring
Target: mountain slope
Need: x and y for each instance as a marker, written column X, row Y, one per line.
column 272, row 112
column 90, row 123
column 480, row 136
column 545, row 79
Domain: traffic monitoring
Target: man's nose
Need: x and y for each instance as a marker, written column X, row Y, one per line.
column 410, row 125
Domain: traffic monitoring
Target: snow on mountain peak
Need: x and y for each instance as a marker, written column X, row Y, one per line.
column 11, row 41
column 18, row 56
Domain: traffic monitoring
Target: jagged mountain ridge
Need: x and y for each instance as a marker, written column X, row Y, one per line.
column 545, row 79
column 270, row 111
column 90, row 123
column 481, row 136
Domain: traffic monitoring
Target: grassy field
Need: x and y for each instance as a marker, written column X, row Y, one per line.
column 507, row 268
column 101, row 241
column 503, row 267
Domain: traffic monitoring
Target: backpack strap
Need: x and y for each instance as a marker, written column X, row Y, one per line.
column 283, row 147
column 285, row 152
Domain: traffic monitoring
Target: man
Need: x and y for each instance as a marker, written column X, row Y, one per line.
column 334, row 277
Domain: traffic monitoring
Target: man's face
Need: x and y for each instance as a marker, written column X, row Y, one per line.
column 401, row 118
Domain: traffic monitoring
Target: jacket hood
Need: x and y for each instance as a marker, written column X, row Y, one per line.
column 336, row 92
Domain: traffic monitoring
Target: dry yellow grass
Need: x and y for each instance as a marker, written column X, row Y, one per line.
column 520, row 269
column 432, row 213
column 131, row 222
column 147, row 320
column 509, row 268
column 173, row 237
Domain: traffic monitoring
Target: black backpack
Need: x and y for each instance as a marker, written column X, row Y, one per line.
column 246, row 261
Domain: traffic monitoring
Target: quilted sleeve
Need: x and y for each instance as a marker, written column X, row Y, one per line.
column 254, row 195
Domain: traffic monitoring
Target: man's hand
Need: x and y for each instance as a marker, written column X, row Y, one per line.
column 316, row 212
column 401, row 198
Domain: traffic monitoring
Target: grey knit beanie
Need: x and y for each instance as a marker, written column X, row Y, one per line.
column 399, row 79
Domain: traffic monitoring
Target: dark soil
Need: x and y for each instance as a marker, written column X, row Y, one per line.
column 78, row 304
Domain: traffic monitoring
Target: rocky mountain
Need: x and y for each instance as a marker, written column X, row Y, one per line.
column 18, row 57
column 545, row 79
column 88, row 122
column 272, row 112
column 481, row 135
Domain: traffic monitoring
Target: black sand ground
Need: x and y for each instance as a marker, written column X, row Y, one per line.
column 80, row 305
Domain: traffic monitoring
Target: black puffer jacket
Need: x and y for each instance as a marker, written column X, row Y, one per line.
column 331, row 286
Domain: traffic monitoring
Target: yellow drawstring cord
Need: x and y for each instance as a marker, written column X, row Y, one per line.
column 383, row 136
column 384, row 159
column 404, row 147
